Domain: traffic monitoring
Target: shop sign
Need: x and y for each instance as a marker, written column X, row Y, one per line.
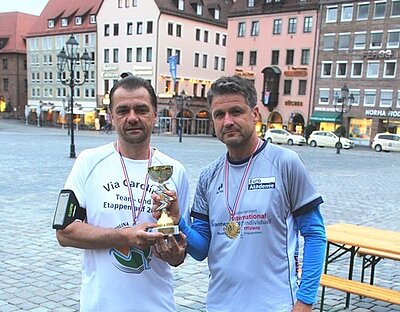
column 293, row 103
column 241, row 72
column 108, row 67
column 295, row 73
column 109, row 75
column 382, row 54
column 382, row 113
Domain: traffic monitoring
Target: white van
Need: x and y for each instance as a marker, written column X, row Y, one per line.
column 386, row 142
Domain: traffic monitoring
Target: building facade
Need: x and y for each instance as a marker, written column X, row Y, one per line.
column 359, row 47
column 48, row 98
column 13, row 65
column 144, row 37
column 273, row 43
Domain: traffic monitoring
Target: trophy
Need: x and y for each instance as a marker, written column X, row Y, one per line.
column 161, row 174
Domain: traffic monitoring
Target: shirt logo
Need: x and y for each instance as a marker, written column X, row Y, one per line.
column 261, row 183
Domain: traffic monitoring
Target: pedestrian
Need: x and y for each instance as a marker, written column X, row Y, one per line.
column 248, row 208
column 120, row 271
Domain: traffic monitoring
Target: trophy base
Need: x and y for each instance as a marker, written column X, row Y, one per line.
column 167, row 230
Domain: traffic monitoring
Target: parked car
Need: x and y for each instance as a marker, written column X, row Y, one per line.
column 330, row 139
column 386, row 142
column 283, row 136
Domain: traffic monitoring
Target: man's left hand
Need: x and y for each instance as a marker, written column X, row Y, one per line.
column 171, row 250
column 302, row 307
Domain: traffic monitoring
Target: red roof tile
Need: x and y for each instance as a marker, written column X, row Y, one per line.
column 14, row 27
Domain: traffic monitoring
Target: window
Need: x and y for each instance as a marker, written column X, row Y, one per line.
column 134, row 3
column 302, row 87
column 275, row 57
column 5, row 84
column 341, row 69
column 149, row 54
column 106, row 56
column 224, row 40
column 323, row 96
column 326, row 70
column 181, row 5
column 216, row 61
column 386, row 98
column 78, row 20
column 376, row 40
column 50, row 23
column 395, row 8
column 292, row 25
column 129, row 55
column 5, row 63
column 139, row 54
column 169, row 54
column 241, row 29
column 373, row 69
column 277, row 29
column 196, row 59
column 149, row 27
column 217, row 38
column 127, row 3
column 344, row 41
column 331, row 14
column 198, row 32
column 199, row 9
column 253, row 58
column 287, row 87
column 356, row 95
column 369, row 97
column 359, row 40
column 116, row 29
column 92, row 19
column 205, row 59
column 255, row 28
column 393, row 38
column 115, row 55
column 389, row 70
column 329, row 41
column 64, row 22
column 308, row 24
column 223, row 61
column 120, row 3
column 347, row 13
column 379, row 9
column 305, row 57
column 239, row 58
column 356, row 69
column 129, row 28
column 362, row 12
column 139, row 28
column 289, row 57
column 250, row 3
column 179, row 30
column 170, row 29
column 106, row 30
column 205, row 36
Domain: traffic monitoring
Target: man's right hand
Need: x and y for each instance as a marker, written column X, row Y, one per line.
column 173, row 208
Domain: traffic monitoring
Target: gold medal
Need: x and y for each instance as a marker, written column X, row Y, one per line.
column 232, row 229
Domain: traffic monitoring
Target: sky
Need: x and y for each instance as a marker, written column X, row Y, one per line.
column 26, row 6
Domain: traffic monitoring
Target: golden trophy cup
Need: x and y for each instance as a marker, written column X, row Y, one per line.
column 161, row 174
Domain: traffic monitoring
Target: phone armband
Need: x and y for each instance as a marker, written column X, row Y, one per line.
column 67, row 210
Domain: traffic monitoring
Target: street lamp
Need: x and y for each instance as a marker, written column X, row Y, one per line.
column 342, row 106
column 70, row 57
column 181, row 101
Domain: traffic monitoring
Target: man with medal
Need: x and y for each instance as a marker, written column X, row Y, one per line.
column 249, row 208
column 111, row 190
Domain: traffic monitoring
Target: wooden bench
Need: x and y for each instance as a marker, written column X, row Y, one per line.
column 361, row 289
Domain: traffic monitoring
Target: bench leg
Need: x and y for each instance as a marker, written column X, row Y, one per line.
column 351, row 267
column 321, row 308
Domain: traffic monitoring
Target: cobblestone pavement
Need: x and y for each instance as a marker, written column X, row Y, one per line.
column 359, row 186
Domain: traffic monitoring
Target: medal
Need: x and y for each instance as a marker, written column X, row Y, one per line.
column 232, row 229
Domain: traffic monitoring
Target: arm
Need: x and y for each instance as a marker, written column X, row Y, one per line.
column 86, row 236
column 198, row 237
column 311, row 226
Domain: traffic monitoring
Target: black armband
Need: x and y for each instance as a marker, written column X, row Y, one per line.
column 67, row 210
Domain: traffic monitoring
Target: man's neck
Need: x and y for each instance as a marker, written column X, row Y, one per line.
column 242, row 152
column 133, row 151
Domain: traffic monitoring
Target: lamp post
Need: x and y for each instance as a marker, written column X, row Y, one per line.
column 68, row 58
column 342, row 106
column 181, row 101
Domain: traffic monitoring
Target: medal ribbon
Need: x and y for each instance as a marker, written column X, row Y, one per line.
column 232, row 211
column 135, row 215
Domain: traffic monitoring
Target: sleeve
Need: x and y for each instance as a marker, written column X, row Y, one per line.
column 198, row 237
column 311, row 227
column 183, row 193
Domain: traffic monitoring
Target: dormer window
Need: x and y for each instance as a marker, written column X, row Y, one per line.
column 181, row 5
column 64, row 22
column 50, row 23
column 92, row 19
column 216, row 14
column 78, row 20
column 250, row 3
column 199, row 9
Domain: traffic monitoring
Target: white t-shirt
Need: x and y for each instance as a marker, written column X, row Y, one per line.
column 255, row 271
column 126, row 279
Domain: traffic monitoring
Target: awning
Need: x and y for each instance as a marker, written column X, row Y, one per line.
column 320, row 116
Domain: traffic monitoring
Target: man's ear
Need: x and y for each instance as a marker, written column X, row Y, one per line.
column 256, row 114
